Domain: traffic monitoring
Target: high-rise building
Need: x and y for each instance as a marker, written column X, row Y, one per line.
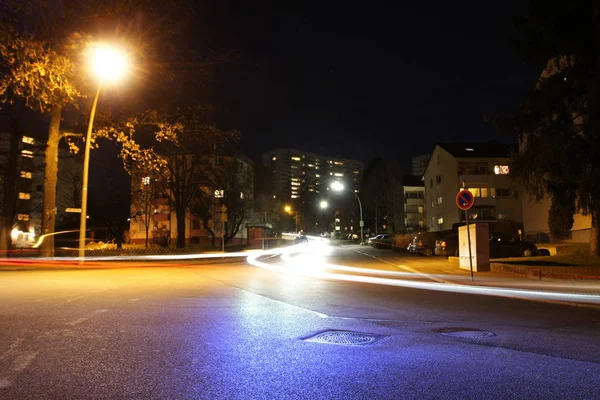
column 27, row 222
column 419, row 163
column 302, row 175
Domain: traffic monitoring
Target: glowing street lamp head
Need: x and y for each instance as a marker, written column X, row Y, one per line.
column 337, row 186
column 108, row 63
column 323, row 204
column 288, row 209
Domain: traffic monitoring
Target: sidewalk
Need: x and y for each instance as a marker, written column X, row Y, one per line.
column 584, row 280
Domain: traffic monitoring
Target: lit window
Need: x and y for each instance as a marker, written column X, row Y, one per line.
column 295, row 196
column 27, row 153
column 311, row 190
column 484, row 192
column 23, row 217
column 28, row 140
column 439, row 200
column 317, row 175
column 356, row 172
column 331, row 173
column 338, row 174
column 26, row 174
column 469, row 149
column 219, row 193
column 476, row 192
column 338, row 163
column 24, row 196
column 146, row 180
column 440, row 220
column 501, row 169
column 242, row 195
column 337, row 220
column 296, row 159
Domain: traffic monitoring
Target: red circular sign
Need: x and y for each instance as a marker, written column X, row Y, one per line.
column 465, row 199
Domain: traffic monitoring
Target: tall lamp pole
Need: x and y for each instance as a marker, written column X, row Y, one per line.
column 84, row 179
column 337, row 186
column 108, row 65
column 362, row 223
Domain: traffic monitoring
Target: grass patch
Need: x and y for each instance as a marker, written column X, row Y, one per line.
column 569, row 256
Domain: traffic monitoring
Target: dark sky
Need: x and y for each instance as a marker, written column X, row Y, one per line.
column 367, row 79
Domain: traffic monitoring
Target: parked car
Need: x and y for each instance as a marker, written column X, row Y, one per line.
column 301, row 239
column 373, row 238
column 423, row 243
column 383, row 240
column 447, row 247
column 501, row 245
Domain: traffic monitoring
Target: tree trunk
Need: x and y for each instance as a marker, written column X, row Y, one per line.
column 594, row 236
column 10, row 191
column 50, row 180
column 180, row 211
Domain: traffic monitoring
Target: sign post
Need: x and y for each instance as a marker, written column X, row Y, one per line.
column 223, row 225
column 464, row 201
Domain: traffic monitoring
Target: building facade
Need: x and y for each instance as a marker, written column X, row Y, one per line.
column 302, row 175
column 154, row 218
column 410, row 215
column 480, row 167
column 29, row 188
column 419, row 163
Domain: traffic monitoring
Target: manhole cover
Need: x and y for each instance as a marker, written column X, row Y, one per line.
column 466, row 333
column 343, row 338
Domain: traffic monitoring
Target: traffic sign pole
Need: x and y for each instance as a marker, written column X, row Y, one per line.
column 469, row 243
column 464, row 201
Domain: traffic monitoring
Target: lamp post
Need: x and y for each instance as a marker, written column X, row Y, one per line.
column 108, row 65
column 288, row 209
column 338, row 187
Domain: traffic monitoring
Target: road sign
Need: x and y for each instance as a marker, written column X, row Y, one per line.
column 465, row 199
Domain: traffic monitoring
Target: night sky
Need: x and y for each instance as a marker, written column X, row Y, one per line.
column 363, row 80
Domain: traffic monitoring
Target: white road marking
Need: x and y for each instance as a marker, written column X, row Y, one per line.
column 287, row 304
column 83, row 319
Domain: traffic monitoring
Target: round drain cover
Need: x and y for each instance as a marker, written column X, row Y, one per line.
column 343, row 337
column 466, row 333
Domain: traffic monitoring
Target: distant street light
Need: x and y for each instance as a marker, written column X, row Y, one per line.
column 323, row 204
column 108, row 65
column 288, row 209
column 338, row 187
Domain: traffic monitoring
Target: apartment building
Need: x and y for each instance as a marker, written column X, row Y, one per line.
column 411, row 213
column 419, row 163
column 153, row 215
column 480, row 167
column 29, row 187
column 303, row 175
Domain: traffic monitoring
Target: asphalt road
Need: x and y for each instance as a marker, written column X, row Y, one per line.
column 237, row 331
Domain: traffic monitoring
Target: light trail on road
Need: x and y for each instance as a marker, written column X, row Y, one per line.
column 295, row 262
column 309, row 260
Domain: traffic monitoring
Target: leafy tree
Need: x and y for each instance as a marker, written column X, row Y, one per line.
column 40, row 47
column 558, row 123
column 235, row 179
column 183, row 140
column 267, row 208
column 379, row 181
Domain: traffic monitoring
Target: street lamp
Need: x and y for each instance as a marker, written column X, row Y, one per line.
column 108, row 65
column 338, row 187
